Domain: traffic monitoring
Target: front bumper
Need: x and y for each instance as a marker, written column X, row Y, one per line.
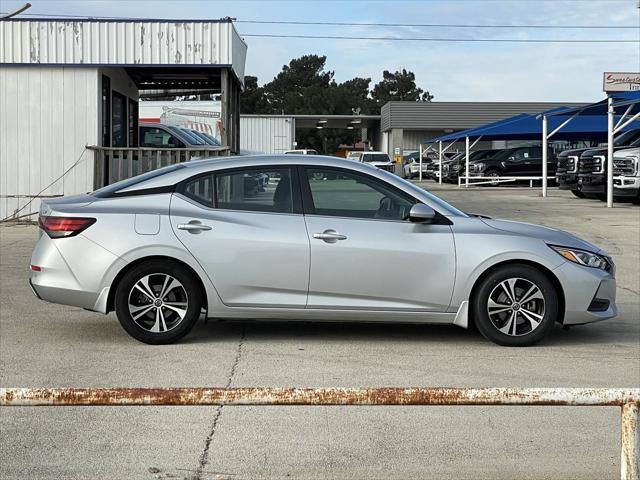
column 567, row 181
column 594, row 183
column 589, row 294
column 626, row 186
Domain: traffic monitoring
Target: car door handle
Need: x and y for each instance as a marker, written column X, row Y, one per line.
column 329, row 236
column 193, row 227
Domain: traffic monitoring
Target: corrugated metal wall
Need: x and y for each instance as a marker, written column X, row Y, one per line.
column 122, row 43
column 454, row 115
column 47, row 116
column 266, row 134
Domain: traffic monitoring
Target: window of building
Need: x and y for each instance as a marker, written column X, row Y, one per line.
column 118, row 120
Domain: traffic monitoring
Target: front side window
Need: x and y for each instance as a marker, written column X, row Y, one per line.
column 158, row 138
column 341, row 193
column 259, row 190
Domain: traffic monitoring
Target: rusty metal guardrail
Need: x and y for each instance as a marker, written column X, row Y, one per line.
column 627, row 399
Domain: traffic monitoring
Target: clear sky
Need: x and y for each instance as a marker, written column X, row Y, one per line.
column 450, row 71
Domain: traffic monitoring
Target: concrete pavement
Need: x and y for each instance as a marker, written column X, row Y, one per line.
column 50, row 345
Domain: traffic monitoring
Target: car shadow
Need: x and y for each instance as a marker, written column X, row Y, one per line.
column 270, row 330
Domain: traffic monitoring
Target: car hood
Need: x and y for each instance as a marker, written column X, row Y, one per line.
column 549, row 235
column 379, row 163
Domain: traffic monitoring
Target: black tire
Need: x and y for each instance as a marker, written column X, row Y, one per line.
column 176, row 325
column 578, row 193
column 527, row 335
column 492, row 172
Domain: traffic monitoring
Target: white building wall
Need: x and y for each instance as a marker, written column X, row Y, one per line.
column 266, row 134
column 122, row 42
column 47, row 116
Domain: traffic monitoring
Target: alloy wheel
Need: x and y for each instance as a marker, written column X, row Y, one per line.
column 158, row 303
column 516, row 306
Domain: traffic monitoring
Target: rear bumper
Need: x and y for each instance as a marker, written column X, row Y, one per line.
column 72, row 271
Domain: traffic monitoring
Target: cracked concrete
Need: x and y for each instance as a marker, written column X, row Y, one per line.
column 51, row 345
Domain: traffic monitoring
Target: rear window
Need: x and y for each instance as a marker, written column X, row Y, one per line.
column 129, row 182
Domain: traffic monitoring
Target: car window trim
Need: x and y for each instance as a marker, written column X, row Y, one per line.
column 296, row 207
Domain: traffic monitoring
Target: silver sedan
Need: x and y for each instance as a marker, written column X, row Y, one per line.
column 295, row 237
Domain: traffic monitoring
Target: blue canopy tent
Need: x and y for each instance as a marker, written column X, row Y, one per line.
column 628, row 119
column 565, row 123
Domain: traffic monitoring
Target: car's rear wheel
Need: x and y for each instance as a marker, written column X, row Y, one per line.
column 158, row 302
column 515, row 305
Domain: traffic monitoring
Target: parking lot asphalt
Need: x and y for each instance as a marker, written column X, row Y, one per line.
column 56, row 346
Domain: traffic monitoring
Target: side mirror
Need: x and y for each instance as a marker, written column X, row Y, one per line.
column 421, row 213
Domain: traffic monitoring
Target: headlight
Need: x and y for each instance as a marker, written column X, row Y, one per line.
column 477, row 166
column 588, row 259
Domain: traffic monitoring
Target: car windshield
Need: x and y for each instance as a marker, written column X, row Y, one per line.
column 627, row 138
column 375, row 157
column 129, row 182
column 193, row 138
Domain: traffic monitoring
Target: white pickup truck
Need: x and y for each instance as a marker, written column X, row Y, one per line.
column 626, row 171
column 377, row 159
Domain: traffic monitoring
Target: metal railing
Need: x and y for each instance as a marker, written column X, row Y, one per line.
column 627, row 399
column 473, row 180
column 112, row 164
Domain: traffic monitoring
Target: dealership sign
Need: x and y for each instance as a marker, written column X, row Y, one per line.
column 621, row 82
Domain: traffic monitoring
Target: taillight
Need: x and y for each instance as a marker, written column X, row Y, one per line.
column 59, row 227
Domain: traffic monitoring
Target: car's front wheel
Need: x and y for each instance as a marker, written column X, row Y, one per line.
column 578, row 193
column 158, row 302
column 515, row 305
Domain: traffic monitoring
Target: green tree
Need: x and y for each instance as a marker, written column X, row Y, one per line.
column 400, row 85
column 252, row 99
column 304, row 86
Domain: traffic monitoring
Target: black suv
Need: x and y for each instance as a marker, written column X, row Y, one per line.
column 455, row 167
column 592, row 168
column 514, row 162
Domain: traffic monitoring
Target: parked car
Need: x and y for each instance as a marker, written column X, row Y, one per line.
column 157, row 135
column 514, row 162
column 626, row 171
column 166, row 246
column 303, row 151
column 377, row 159
column 457, row 165
column 567, row 171
column 592, row 169
column 412, row 166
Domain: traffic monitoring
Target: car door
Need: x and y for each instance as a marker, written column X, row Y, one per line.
column 365, row 254
column 246, row 229
column 517, row 162
column 533, row 164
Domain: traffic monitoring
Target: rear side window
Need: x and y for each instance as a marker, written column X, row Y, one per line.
column 256, row 190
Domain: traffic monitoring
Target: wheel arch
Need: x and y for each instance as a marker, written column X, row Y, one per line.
column 138, row 261
column 544, row 270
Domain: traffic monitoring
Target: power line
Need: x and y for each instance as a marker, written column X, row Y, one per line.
column 436, row 25
column 425, row 39
column 345, row 24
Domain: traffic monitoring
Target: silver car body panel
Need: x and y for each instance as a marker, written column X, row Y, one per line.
column 269, row 265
